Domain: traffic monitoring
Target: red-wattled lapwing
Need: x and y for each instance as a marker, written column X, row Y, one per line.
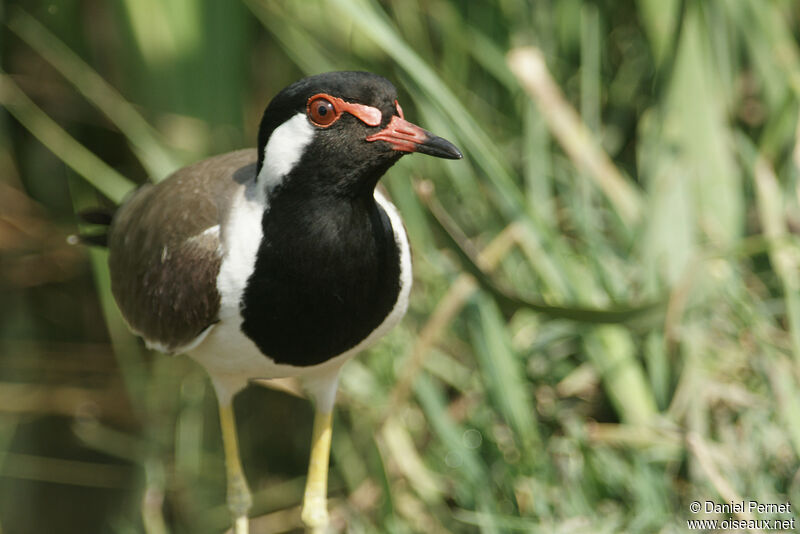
column 284, row 262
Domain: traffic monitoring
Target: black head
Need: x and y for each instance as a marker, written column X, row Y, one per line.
column 339, row 131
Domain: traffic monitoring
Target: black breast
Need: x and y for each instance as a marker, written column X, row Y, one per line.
column 326, row 275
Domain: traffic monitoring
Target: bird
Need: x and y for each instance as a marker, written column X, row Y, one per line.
column 282, row 261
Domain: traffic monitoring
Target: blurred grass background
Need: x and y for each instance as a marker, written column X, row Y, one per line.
column 654, row 158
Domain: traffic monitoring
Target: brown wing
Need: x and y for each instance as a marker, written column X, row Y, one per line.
column 164, row 250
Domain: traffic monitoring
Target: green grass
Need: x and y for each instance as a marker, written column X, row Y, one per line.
column 605, row 324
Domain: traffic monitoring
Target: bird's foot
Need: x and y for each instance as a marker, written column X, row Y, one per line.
column 239, row 502
column 240, row 525
column 315, row 515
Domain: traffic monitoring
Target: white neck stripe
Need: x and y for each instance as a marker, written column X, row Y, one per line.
column 283, row 151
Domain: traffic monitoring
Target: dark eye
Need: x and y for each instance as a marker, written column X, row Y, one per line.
column 321, row 111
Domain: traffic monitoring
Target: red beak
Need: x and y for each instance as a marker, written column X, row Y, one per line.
column 407, row 137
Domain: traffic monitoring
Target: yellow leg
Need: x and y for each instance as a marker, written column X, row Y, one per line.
column 239, row 499
column 315, row 500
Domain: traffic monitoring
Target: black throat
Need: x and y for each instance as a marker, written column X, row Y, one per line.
column 327, row 274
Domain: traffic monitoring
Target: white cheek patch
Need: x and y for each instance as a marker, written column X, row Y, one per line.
column 283, row 150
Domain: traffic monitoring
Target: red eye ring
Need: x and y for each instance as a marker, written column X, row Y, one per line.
column 321, row 111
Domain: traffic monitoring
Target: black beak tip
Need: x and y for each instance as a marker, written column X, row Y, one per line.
column 440, row 148
column 453, row 153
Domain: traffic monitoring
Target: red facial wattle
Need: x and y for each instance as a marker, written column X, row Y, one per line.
column 401, row 134
column 404, row 136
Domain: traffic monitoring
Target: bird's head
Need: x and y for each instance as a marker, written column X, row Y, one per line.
column 338, row 133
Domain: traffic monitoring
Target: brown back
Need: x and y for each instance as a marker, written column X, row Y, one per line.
column 163, row 266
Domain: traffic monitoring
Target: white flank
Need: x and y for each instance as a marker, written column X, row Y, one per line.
column 406, row 275
column 240, row 240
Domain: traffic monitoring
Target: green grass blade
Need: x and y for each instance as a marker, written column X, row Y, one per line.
column 144, row 140
column 783, row 255
column 611, row 350
column 529, row 66
column 108, row 181
column 503, row 374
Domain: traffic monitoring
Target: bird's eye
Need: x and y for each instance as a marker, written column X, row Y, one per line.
column 321, row 111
